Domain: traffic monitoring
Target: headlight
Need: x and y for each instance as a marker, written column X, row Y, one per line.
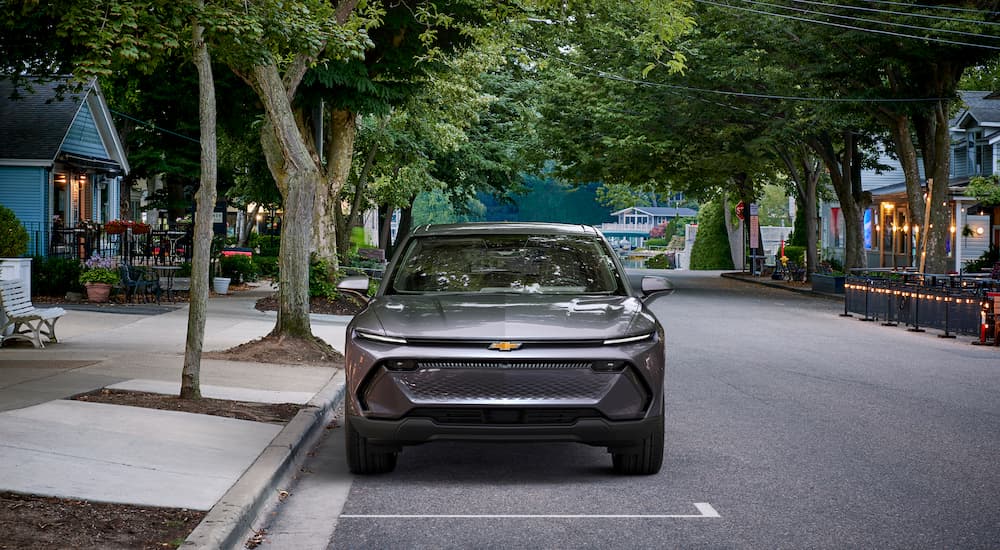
column 380, row 338
column 627, row 339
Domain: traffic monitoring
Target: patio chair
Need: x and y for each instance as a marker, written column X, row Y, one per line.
column 139, row 282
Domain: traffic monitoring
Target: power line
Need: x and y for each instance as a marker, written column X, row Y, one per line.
column 942, row 8
column 843, row 26
column 611, row 76
column 904, row 14
column 154, row 127
column 875, row 21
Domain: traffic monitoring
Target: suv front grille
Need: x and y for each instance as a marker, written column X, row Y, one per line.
column 504, row 364
column 500, row 384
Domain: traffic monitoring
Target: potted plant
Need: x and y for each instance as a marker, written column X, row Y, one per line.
column 98, row 276
column 829, row 278
column 220, row 283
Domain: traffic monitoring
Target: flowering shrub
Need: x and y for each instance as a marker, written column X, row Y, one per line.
column 99, row 269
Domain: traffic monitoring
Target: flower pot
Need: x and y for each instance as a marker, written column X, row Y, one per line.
column 831, row 284
column 220, row 285
column 97, row 292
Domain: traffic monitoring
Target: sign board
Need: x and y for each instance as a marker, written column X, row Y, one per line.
column 217, row 217
column 739, row 210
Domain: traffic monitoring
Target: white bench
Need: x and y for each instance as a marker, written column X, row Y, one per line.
column 25, row 320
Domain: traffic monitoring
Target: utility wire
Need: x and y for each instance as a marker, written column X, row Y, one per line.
column 942, row 8
column 899, row 13
column 611, row 76
column 875, row 21
column 154, row 127
column 842, row 26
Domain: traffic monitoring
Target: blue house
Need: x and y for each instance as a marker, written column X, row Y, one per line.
column 890, row 237
column 634, row 223
column 61, row 161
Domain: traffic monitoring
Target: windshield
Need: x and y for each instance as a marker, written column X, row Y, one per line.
column 539, row 264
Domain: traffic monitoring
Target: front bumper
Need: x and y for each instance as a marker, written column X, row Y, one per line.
column 591, row 431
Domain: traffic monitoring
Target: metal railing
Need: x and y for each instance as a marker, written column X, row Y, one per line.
column 84, row 241
column 949, row 303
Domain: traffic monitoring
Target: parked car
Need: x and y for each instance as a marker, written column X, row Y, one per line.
column 506, row 331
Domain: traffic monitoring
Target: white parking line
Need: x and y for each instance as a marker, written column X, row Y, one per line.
column 705, row 511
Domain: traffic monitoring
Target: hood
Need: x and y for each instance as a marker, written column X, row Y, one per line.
column 507, row 317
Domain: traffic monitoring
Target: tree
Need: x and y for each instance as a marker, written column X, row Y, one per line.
column 711, row 247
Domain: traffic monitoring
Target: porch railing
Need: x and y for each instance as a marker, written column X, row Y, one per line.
column 81, row 242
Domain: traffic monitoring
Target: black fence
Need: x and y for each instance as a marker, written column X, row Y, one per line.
column 156, row 246
column 949, row 303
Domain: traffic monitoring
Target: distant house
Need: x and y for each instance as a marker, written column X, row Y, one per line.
column 634, row 223
column 61, row 159
column 888, row 230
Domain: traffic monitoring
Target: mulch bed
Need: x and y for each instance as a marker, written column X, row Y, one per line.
column 44, row 523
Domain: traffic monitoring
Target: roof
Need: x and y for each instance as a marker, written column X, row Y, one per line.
column 668, row 211
column 509, row 228
column 984, row 107
column 34, row 126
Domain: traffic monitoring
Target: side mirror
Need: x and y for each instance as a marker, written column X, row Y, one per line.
column 656, row 285
column 355, row 284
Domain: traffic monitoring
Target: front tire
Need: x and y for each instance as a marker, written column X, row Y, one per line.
column 364, row 458
column 645, row 457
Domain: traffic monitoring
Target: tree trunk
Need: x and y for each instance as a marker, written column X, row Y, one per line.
column 358, row 201
column 297, row 174
column 842, row 168
column 938, row 227
column 804, row 171
column 343, row 130
column 205, row 199
column 247, row 227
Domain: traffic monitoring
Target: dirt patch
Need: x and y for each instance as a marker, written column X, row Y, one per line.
column 275, row 413
column 343, row 304
column 282, row 351
column 43, row 523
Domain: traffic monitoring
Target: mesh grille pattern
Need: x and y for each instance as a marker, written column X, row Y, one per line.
column 503, row 365
column 493, row 385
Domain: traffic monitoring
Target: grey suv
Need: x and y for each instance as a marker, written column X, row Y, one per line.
column 505, row 331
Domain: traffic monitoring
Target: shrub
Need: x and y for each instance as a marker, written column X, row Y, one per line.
column 185, row 269
column 985, row 261
column 99, row 269
column 267, row 266
column 795, row 253
column 660, row 261
column 13, row 235
column 51, row 276
column 264, row 245
column 321, row 280
column 239, row 268
column 657, row 242
column 711, row 247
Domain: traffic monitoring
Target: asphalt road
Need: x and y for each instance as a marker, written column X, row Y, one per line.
column 787, row 427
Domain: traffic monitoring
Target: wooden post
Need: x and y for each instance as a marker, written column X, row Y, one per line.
column 927, row 221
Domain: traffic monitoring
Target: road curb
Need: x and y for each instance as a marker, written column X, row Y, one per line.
column 807, row 291
column 231, row 521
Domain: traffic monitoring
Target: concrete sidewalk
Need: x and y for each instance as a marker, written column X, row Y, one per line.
column 55, row 447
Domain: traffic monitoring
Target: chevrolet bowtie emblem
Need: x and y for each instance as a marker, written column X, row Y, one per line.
column 505, row 346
